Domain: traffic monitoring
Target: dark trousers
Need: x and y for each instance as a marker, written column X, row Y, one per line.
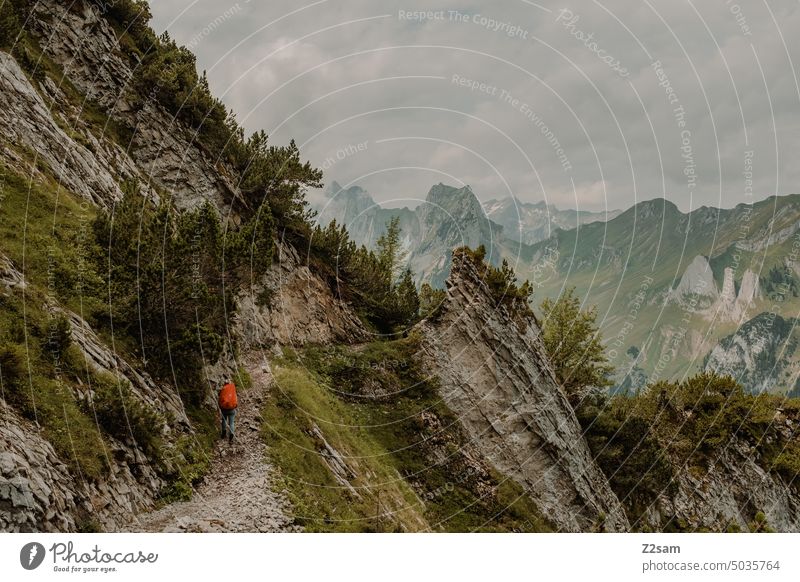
column 227, row 421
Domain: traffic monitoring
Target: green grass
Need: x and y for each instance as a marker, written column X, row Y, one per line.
column 405, row 449
column 45, row 232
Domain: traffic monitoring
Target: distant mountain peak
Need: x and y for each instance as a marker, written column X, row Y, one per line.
column 335, row 189
column 453, row 199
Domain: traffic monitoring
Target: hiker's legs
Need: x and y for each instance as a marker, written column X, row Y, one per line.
column 231, row 416
column 227, row 423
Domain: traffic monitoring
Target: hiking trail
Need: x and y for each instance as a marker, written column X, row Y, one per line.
column 236, row 494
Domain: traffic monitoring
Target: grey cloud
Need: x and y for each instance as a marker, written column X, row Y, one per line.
column 582, row 90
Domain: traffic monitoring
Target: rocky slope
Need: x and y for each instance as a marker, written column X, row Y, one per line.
column 162, row 151
column 761, row 354
column 495, row 377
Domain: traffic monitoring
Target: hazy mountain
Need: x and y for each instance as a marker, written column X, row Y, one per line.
column 531, row 222
column 448, row 218
column 673, row 284
column 669, row 285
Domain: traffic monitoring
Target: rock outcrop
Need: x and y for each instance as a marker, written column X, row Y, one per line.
column 697, row 279
column 298, row 308
column 731, row 493
column 37, row 492
column 162, row 152
column 36, row 489
column 494, row 376
column 27, row 122
column 760, row 355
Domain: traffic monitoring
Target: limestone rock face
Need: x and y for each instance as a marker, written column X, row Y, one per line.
column 163, row 152
column 38, row 493
column 100, row 357
column 36, row 489
column 494, row 376
column 301, row 309
column 10, row 277
column 733, row 305
column 25, row 120
column 760, row 354
column 697, row 279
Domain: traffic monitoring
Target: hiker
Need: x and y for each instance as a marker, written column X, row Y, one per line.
column 227, row 407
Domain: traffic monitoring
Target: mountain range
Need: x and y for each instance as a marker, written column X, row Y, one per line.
column 675, row 292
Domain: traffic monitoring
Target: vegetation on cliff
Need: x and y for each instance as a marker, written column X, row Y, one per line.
column 393, row 456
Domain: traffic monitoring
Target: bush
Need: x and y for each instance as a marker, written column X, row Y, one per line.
column 501, row 281
column 430, row 301
column 59, row 336
column 13, row 376
column 124, row 417
column 635, row 463
column 190, row 463
column 573, row 344
column 9, row 24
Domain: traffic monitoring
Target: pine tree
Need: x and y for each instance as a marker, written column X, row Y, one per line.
column 390, row 256
column 407, row 298
column 572, row 341
column 430, row 300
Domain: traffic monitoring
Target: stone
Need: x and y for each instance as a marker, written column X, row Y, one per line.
column 494, row 375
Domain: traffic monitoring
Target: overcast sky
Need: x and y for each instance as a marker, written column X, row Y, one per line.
column 563, row 102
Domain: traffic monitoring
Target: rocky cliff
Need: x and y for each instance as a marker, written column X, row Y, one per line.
column 494, row 376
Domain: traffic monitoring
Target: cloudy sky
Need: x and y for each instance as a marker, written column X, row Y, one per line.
column 588, row 104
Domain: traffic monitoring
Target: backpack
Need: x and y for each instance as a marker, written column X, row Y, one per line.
column 227, row 397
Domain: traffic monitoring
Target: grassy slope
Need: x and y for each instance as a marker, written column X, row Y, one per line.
column 45, row 231
column 38, row 232
column 408, row 475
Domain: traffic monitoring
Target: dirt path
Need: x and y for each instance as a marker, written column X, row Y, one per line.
column 236, row 494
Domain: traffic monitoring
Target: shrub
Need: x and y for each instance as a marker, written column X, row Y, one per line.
column 572, row 341
column 636, row 464
column 13, row 372
column 501, row 281
column 430, row 301
column 9, row 24
column 124, row 417
column 59, row 336
column 190, row 462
